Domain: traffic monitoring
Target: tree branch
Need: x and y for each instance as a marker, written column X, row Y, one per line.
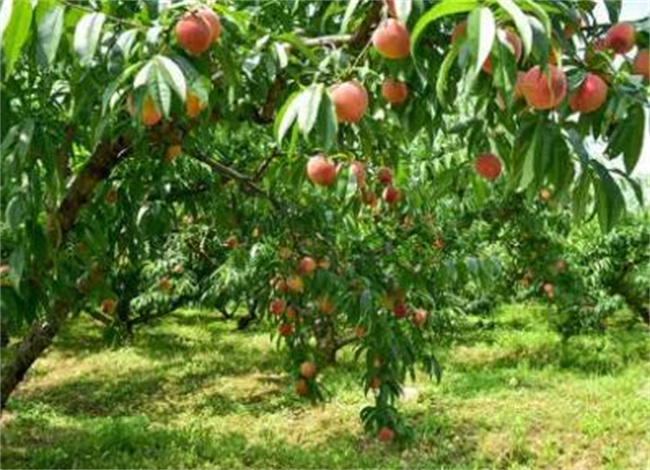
column 235, row 175
column 105, row 157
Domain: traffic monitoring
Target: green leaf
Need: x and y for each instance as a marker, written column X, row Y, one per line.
column 481, row 31
column 173, row 75
column 326, row 123
column 540, row 13
column 109, row 96
column 403, row 9
column 49, row 18
column 349, row 11
column 581, row 196
column 579, row 147
column 286, row 116
column 5, row 15
column 443, row 73
column 440, row 10
column 309, row 106
column 86, row 36
column 562, row 165
column 504, row 71
column 300, row 45
column 614, row 10
column 17, row 264
column 521, row 22
column 142, row 78
column 610, row 200
column 15, row 212
column 281, row 55
column 16, row 32
column 628, row 138
column 125, row 42
column 159, row 90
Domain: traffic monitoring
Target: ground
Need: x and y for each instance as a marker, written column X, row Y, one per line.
column 190, row 392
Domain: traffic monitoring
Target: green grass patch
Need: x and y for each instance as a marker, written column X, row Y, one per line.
column 192, row 393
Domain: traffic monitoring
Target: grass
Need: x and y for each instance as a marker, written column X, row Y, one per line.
column 191, row 393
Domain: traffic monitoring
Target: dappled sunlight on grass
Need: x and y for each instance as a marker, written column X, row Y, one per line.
column 190, row 392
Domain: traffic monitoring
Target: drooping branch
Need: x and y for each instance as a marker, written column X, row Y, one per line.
column 235, row 175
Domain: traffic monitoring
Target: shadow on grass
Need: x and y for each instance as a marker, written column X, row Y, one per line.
column 33, row 441
column 584, row 354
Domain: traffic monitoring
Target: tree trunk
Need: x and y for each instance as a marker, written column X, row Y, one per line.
column 4, row 333
column 326, row 340
column 40, row 335
column 37, row 340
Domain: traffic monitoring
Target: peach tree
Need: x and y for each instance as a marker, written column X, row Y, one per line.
column 326, row 143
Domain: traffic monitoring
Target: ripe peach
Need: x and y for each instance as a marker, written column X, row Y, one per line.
column 307, row 266
column 419, row 317
column 193, row 105
column 172, row 152
column 391, row 195
column 544, row 90
column 178, row 269
column 488, row 166
column 277, row 306
column 291, row 313
column 111, row 196
column 519, row 91
column 295, row 284
column 150, row 115
column 350, row 101
column 360, row 331
column 544, row 195
column 385, row 434
column 549, row 290
column 400, row 310
column 385, row 175
column 642, row 64
column 232, row 242
column 359, row 171
column 374, row 383
column 321, row 170
column 326, row 306
column 439, row 243
column 164, row 284
column 302, row 388
column 394, row 91
column 560, row 266
column 108, row 306
column 459, row 33
column 392, row 40
column 514, row 44
column 285, row 329
column 369, row 198
column 213, row 20
column 194, row 33
column 621, row 37
column 590, row 95
column 308, row 370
